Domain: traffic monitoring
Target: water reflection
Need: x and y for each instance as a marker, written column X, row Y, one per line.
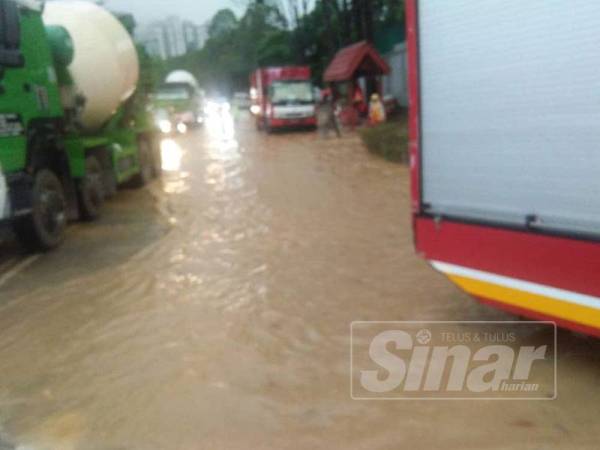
column 231, row 331
column 220, row 126
column 171, row 155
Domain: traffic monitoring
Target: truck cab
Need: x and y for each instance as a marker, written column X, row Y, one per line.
column 283, row 97
column 177, row 106
column 30, row 112
column 291, row 101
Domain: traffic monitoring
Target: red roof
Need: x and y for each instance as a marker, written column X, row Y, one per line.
column 360, row 58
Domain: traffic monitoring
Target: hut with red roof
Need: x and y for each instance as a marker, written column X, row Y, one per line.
column 354, row 74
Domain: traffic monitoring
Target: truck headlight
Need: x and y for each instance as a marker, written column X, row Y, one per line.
column 165, row 126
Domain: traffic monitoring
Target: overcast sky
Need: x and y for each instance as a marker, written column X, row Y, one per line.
column 198, row 11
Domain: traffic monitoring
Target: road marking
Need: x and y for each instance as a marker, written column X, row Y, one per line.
column 6, row 277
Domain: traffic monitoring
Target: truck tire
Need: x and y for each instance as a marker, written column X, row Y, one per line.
column 111, row 185
column 91, row 192
column 145, row 161
column 44, row 229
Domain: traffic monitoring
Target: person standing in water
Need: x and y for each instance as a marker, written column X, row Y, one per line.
column 327, row 115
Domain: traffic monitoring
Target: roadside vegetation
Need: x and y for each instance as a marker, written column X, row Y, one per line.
column 389, row 140
column 283, row 32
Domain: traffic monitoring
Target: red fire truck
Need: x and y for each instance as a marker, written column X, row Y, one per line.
column 283, row 97
column 505, row 152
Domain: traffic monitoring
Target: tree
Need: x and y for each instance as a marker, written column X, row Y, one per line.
column 274, row 49
column 223, row 22
column 284, row 32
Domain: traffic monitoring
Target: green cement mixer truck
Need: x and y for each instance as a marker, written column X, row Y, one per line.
column 74, row 125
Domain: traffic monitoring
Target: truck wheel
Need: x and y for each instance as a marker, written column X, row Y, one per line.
column 91, row 190
column 44, row 229
column 146, row 164
column 111, row 185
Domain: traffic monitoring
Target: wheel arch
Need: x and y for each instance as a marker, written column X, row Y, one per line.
column 45, row 148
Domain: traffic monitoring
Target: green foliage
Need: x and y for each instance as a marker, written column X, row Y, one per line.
column 274, row 49
column 389, row 140
column 283, row 32
column 333, row 24
column 223, row 22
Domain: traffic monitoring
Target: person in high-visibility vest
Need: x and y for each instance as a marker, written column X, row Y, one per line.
column 376, row 110
column 327, row 114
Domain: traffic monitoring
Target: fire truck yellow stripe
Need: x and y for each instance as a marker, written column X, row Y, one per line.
column 545, row 305
column 568, row 307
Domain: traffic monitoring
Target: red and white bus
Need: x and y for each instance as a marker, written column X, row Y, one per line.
column 505, row 152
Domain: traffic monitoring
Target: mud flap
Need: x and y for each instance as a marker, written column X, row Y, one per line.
column 4, row 199
column 19, row 194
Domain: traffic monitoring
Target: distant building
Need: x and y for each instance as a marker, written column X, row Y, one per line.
column 172, row 37
column 194, row 36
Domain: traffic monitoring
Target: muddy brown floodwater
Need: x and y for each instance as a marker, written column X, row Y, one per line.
column 212, row 311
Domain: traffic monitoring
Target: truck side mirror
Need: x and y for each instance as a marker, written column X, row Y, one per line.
column 10, row 35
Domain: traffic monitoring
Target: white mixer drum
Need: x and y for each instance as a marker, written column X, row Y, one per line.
column 184, row 77
column 105, row 68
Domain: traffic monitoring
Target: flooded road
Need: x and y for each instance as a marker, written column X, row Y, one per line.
column 212, row 311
